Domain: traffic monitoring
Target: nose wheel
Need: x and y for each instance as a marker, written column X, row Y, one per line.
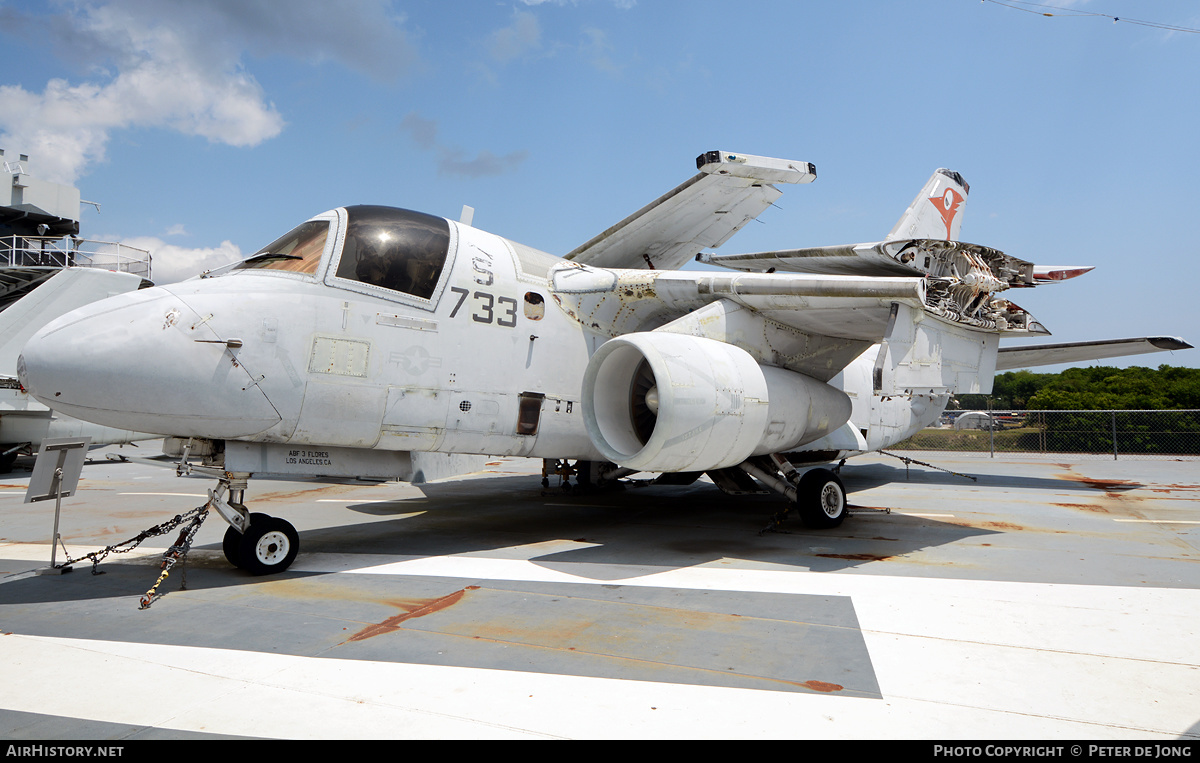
column 268, row 545
column 258, row 543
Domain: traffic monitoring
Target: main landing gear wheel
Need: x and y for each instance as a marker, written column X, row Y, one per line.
column 821, row 499
column 268, row 546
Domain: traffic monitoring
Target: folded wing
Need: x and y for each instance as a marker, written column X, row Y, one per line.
column 729, row 191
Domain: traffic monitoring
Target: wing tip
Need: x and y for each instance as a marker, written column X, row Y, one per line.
column 1052, row 273
column 761, row 168
column 1168, row 343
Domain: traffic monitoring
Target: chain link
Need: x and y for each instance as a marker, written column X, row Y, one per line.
column 176, row 554
column 907, row 461
column 1110, row 434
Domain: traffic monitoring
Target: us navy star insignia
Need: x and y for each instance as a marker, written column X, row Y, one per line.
column 415, row 360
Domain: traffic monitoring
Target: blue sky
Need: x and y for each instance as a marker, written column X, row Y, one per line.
column 206, row 129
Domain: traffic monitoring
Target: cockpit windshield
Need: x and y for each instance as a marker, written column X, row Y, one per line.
column 299, row 251
column 394, row 249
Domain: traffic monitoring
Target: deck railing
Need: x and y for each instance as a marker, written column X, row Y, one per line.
column 38, row 251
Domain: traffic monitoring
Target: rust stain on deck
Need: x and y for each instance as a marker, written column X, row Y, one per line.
column 821, row 686
column 1102, row 484
column 1002, row 526
column 1085, row 507
column 414, row 609
column 297, row 494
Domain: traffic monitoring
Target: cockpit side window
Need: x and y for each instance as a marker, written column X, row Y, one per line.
column 394, row 249
column 298, row 251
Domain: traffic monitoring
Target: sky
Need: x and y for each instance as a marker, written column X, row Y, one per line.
column 205, row 130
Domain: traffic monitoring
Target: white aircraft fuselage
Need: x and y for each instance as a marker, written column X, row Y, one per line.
column 369, row 336
column 491, row 362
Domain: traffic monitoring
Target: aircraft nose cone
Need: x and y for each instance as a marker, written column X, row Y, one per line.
column 146, row 362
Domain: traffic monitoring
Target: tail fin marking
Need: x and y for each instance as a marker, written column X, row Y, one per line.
column 936, row 212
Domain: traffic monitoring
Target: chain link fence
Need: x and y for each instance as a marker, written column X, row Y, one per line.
column 1102, row 434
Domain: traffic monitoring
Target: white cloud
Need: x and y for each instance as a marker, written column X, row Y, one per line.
column 171, row 263
column 178, row 66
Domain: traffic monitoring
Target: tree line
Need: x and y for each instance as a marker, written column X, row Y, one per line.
column 1169, row 396
column 1092, row 388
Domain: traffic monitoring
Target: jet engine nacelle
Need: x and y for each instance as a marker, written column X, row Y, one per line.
column 662, row 402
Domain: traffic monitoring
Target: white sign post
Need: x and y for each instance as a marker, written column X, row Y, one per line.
column 56, row 474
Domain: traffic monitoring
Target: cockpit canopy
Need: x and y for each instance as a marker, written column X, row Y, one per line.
column 395, row 249
column 386, row 247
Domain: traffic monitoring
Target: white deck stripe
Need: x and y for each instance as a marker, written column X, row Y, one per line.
column 329, row 698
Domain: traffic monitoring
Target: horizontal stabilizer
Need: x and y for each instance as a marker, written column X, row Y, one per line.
column 729, row 191
column 1078, row 352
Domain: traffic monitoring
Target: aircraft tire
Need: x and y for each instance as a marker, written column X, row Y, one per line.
column 232, row 542
column 268, row 546
column 821, row 499
column 230, row 545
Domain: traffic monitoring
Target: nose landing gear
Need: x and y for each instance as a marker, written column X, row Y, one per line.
column 258, row 543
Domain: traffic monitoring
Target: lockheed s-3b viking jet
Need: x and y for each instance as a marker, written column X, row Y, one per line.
column 379, row 342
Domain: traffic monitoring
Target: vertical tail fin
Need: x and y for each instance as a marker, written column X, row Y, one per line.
column 937, row 211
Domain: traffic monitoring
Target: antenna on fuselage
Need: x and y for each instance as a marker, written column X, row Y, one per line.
column 468, row 214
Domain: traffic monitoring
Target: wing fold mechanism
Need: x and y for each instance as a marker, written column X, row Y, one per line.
column 963, row 279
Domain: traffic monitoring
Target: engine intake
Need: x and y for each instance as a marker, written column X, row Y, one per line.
column 663, row 402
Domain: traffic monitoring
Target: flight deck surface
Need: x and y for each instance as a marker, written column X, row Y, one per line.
column 1053, row 598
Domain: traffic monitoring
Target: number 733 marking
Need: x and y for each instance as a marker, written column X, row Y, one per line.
column 486, row 305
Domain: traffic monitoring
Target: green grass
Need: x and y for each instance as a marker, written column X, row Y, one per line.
column 970, row 439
